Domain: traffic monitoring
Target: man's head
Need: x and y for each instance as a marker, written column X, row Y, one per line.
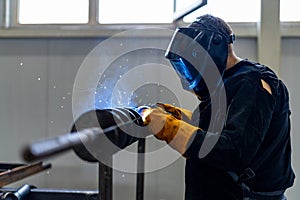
column 213, row 23
column 199, row 53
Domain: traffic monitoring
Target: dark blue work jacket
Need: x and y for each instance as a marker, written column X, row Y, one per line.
column 256, row 135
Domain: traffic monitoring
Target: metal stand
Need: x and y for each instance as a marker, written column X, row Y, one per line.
column 105, row 182
column 140, row 168
column 106, row 175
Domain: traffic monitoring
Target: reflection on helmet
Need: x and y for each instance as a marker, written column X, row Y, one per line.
column 193, row 54
column 188, row 74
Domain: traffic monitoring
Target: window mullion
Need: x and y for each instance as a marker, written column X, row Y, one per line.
column 93, row 12
column 6, row 17
column 269, row 36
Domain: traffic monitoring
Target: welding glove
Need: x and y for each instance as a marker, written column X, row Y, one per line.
column 178, row 113
column 165, row 126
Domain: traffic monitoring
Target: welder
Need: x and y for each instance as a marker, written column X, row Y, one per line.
column 251, row 155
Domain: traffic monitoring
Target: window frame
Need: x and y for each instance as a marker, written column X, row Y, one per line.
column 11, row 28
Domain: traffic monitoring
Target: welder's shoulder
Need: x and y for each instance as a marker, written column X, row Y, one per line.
column 256, row 77
column 246, row 74
column 249, row 79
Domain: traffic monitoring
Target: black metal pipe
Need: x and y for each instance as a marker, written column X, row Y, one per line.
column 57, row 145
column 118, row 125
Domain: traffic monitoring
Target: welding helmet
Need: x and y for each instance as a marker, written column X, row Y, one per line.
column 199, row 56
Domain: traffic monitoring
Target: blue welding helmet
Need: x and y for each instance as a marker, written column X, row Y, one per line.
column 199, row 57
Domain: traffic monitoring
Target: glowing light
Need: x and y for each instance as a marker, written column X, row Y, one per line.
column 144, row 113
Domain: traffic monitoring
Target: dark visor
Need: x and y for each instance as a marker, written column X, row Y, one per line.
column 182, row 50
column 189, row 77
column 194, row 52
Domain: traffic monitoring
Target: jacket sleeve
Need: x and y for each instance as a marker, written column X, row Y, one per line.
column 248, row 116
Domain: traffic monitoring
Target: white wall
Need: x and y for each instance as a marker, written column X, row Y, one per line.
column 289, row 72
column 36, row 82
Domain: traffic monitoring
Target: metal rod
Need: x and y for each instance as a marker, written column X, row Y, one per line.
column 59, row 144
column 52, row 146
column 140, row 169
column 105, row 181
column 87, row 128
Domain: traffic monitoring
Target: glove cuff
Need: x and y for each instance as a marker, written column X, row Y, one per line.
column 184, row 137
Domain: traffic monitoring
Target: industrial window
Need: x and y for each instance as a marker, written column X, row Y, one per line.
column 229, row 10
column 53, row 11
column 142, row 11
column 135, row 11
column 289, row 11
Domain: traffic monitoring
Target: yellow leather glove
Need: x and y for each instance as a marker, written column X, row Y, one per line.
column 179, row 113
column 177, row 133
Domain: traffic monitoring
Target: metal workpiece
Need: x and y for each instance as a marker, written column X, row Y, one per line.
column 95, row 137
column 90, row 133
